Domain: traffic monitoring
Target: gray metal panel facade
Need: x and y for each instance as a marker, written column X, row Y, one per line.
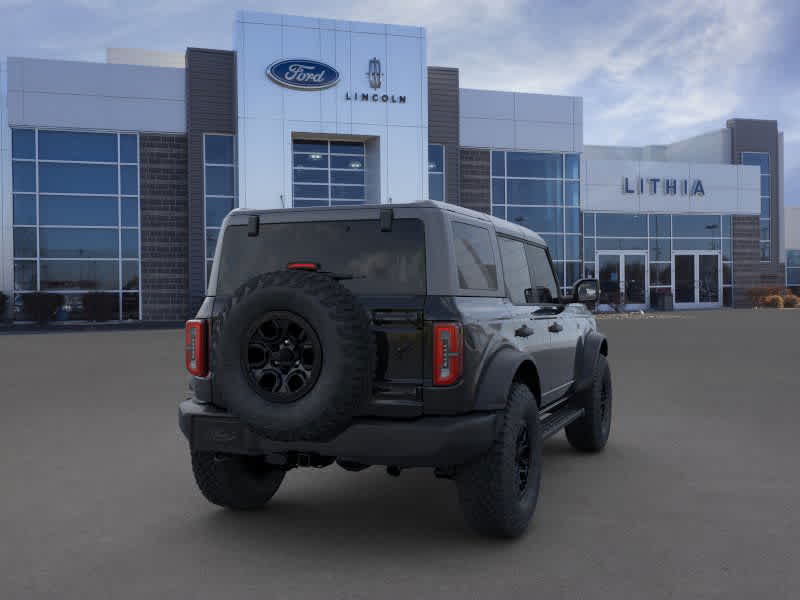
column 443, row 113
column 210, row 108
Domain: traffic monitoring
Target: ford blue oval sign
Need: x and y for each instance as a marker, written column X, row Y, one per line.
column 303, row 74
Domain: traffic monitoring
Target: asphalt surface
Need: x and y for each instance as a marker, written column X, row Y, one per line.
column 696, row 496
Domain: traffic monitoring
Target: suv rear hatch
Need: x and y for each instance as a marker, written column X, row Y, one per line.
column 385, row 270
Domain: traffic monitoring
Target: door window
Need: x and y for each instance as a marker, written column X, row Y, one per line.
column 515, row 269
column 474, row 257
column 545, row 287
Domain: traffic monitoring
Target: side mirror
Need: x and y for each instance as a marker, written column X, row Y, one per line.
column 586, row 291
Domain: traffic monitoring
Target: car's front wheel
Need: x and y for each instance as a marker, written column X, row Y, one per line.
column 234, row 481
column 498, row 492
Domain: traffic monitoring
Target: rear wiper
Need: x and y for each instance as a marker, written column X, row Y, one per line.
column 341, row 276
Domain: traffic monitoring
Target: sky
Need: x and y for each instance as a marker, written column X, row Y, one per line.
column 649, row 72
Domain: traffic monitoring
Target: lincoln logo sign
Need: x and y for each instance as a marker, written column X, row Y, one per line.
column 302, row 74
column 667, row 186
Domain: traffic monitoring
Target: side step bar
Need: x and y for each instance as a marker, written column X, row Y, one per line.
column 555, row 421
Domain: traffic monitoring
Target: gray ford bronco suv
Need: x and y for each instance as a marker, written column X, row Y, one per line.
column 411, row 335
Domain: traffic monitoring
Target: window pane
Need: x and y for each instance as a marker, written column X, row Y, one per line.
column 129, row 180
column 727, row 296
column 79, row 275
column 727, row 273
column 130, row 212
column 545, row 287
column 346, row 202
column 765, row 251
column 216, row 210
column 765, row 185
column 77, row 210
column 219, row 181
column 348, row 192
column 347, row 162
column 572, row 247
column 572, row 273
column 310, row 146
column 130, row 243
column 550, row 220
column 515, row 269
column 529, row 164
column 695, row 244
column 793, row 277
column 304, row 203
column 435, row 158
column 128, row 149
column 211, row 242
column 347, row 148
column 435, row 186
column 77, row 179
column 130, row 307
column 74, row 145
column 765, row 208
column 311, row 175
column 660, row 226
column 23, row 144
column 588, row 249
column 499, row 212
column 759, row 159
column 727, row 226
column 23, row 176
column 358, row 177
column 573, row 166
column 476, row 265
column 522, row 191
column 219, row 149
column 317, row 161
column 793, row 258
column 25, row 242
column 130, row 274
column 588, row 270
column 621, row 243
column 661, row 274
column 555, row 243
column 24, row 209
column 78, row 243
column 498, row 191
column 660, row 249
column 498, row 163
column 625, row 225
column 25, row 275
column 572, row 190
column 572, row 220
column 763, row 229
column 588, row 224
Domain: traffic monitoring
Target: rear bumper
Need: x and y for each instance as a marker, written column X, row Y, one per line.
column 427, row 441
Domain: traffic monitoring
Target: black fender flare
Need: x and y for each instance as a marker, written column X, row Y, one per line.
column 498, row 374
column 594, row 344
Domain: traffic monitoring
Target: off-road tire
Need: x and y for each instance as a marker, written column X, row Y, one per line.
column 489, row 488
column 342, row 326
column 590, row 432
column 234, row 481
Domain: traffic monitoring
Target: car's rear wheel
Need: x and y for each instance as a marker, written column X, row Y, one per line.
column 235, row 481
column 590, row 432
column 498, row 492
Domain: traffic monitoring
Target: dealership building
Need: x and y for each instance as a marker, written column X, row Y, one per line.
column 115, row 176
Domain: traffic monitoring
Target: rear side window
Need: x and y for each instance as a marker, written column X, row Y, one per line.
column 477, row 269
column 545, row 288
column 376, row 262
column 515, row 269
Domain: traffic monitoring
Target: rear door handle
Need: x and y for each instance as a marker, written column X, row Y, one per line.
column 523, row 331
column 555, row 327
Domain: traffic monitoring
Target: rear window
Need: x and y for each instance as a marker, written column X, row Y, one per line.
column 381, row 262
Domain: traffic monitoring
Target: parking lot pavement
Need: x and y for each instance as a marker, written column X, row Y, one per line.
column 696, row 495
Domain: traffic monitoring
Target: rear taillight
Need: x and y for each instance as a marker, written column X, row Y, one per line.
column 197, row 347
column 447, row 353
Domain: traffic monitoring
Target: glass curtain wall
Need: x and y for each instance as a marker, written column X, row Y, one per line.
column 761, row 160
column 541, row 191
column 219, row 160
column 660, row 235
column 76, row 219
column 793, row 268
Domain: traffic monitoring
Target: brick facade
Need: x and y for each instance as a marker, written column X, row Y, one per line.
column 475, row 180
column 165, row 227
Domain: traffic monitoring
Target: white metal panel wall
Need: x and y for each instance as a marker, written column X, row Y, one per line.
column 491, row 119
column 728, row 189
column 83, row 95
column 269, row 114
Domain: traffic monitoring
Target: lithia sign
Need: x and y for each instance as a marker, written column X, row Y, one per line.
column 667, row 186
column 306, row 74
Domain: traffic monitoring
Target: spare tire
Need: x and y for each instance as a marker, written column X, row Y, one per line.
column 293, row 355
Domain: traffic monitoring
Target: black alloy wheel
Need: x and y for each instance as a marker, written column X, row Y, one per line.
column 523, row 458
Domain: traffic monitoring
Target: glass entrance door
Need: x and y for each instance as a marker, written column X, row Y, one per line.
column 697, row 279
column 623, row 279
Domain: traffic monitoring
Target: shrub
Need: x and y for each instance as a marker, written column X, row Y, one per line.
column 773, row 301
column 790, row 301
column 98, row 306
column 41, row 306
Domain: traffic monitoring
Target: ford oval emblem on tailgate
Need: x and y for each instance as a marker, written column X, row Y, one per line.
column 303, row 74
